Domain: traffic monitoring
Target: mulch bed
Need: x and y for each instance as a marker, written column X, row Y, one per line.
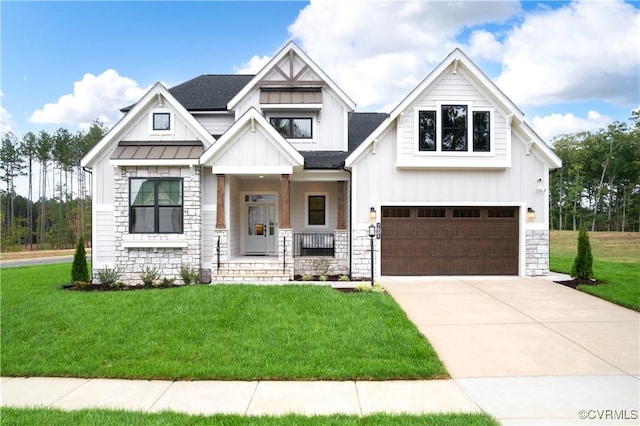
column 103, row 287
column 577, row 281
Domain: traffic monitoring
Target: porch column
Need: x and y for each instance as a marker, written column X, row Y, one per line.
column 220, row 222
column 342, row 222
column 285, row 213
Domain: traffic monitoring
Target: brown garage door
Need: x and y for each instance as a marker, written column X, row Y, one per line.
column 449, row 241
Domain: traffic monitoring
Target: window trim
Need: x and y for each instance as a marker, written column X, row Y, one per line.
column 437, row 108
column 307, row 195
column 313, row 121
column 156, row 205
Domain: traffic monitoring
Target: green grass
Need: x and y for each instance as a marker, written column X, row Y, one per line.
column 616, row 260
column 50, row 417
column 221, row 332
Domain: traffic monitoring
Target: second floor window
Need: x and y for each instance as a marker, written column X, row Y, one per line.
column 293, row 127
column 454, row 128
column 161, row 121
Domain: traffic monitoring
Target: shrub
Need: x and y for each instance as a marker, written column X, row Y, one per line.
column 322, row 277
column 79, row 269
column 189, row 275
column 343, row 278
column 165, row 282
column 583, row 264
column 307, row 277
column 149, row 275
column 377, row 288
column 321, row 266
column 109, row 276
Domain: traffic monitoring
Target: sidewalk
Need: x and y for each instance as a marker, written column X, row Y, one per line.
column 244, row 398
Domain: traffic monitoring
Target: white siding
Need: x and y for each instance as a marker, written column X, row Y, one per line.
column 141, row 129
column 208, row 195
column 253, row 147
column 216, row 124
column 103, row 178
column 102, row 253
column 452, row 89
column 298, row 205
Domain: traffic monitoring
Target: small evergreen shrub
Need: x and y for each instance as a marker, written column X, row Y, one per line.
column 583, row 264
column 343, row 278
column 307, row 277
column 79, row 269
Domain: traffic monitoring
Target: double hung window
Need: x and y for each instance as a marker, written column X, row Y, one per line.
column 155, row 206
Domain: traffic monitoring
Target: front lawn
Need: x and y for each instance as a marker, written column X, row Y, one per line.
column 49, row 417
column 206, row 332
column 616, row 260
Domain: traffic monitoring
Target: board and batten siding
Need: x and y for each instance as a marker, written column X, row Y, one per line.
column 446, row 90
column 141, row 130
column 299, row 191
column 102, row 253
column 253, row 147
column 216, row 124
column 377, row 180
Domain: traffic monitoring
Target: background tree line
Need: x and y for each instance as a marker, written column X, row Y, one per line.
column 599, row 182
column 62, row 212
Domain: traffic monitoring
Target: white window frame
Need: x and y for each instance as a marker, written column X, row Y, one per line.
column 470, row 110
column 172, row 122
column 326, row 210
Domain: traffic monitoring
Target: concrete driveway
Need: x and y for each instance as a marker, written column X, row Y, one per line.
column 528, row 350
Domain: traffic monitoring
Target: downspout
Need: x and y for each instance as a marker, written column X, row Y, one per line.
column 350, row 219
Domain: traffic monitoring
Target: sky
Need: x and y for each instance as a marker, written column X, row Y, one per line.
column 569, row 65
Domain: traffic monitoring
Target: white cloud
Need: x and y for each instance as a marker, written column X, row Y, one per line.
column 484, row 45
column 554, row 125
column 254, row 65
column 378, row 51
column 581, row 51
column 6, row 120
column 93, row 97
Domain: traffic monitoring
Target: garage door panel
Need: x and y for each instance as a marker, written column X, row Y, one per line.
column 476, row 244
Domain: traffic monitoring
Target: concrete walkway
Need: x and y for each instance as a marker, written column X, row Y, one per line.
column 527, row 351
column 530, row 351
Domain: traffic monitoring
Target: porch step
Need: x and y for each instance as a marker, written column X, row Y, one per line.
column 249, row 271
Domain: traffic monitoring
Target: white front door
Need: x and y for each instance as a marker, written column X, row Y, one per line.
column 261, row 224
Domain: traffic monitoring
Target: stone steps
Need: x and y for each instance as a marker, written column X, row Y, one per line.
column 266, row 272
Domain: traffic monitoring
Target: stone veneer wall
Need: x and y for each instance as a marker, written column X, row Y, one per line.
column 166, row 258
column 361, row 262
column 285, row 241
column 537, row 256
column 338, row 264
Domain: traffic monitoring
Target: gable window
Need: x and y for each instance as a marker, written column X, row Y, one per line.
column 317, row 210
column 427, row 131
column 481, row 129
column 161, row 121
column 454, row 128
column 293, row 127
column 155, row 206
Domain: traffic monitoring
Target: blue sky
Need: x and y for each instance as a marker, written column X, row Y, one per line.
column 570, row 66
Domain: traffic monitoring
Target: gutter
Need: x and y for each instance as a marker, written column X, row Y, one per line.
column 350, row 219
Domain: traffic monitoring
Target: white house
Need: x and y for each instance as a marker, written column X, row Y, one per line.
column 254, row 178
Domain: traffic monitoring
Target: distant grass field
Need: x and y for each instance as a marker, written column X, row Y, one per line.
column 616, row 260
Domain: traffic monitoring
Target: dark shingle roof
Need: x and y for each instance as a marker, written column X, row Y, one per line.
column 208, row 92
column 361, row 124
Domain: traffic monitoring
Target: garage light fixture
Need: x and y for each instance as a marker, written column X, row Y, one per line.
column 372, row 214
column 531, row 214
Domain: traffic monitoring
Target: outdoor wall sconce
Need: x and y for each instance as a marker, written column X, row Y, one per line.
column 372, row 214
column 531, row 214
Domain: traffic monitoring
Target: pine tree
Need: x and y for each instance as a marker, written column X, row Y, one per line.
column 79, row 269
column 582, row 265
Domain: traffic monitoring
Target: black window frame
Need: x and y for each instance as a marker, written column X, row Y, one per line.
column 477, row 131
column 311, row 209
column 156, row 205
column 454, row 127
column 289, row 134
column 427, row 125
column 158, row 114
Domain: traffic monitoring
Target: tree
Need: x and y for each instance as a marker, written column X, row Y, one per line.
column 582, row 264
column 11, row 166
column 79, row 269
column 29, row 151
column 43, row 151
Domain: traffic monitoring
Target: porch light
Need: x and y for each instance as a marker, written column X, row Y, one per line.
column 531, row 214
column 372, row 215
column 372, row 230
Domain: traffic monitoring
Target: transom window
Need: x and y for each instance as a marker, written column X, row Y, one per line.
column 317, row 210
column 155, row 206
column 292, row 127
column 161, row 121
column 450, row 129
